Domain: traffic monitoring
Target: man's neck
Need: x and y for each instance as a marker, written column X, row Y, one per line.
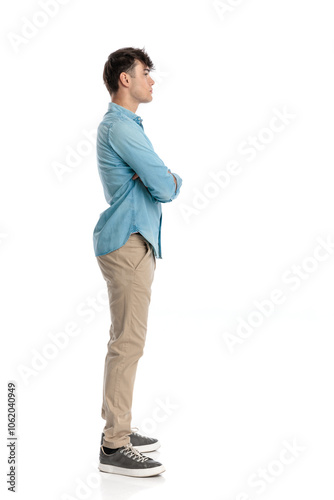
column 132, row 106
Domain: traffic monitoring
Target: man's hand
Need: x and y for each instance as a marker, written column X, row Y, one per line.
column 135, row 177
column 174, row 182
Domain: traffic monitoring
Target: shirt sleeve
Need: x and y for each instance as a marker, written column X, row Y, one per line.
column 133, row 146
column 178, row 182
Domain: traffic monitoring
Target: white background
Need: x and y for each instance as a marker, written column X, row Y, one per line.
column 219, row 79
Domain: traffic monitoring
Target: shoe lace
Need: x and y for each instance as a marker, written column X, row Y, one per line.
column 131, row 452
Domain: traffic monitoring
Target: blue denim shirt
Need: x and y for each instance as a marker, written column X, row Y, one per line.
column 123, row 149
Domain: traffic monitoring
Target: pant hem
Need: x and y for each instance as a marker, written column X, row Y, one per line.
column 116, row 444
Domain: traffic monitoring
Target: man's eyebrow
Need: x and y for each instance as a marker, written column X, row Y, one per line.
column 147, row 69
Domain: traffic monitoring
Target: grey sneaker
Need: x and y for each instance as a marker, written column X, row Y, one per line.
column 129, row 462
column 143, row 444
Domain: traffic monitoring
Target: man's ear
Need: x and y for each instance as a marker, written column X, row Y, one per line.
column 124, row 79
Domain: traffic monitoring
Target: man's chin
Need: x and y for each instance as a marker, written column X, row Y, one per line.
column 148, row 99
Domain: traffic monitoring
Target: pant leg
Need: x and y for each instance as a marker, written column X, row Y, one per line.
column 129, row 273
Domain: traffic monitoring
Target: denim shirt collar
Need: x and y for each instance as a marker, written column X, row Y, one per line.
column 113, row 107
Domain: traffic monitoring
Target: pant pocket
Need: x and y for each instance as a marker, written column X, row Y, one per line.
column 142, row 255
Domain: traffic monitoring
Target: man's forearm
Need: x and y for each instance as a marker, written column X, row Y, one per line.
column 136, row 175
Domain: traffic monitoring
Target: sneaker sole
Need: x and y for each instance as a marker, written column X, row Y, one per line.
column 144, row 448
column 113, row 469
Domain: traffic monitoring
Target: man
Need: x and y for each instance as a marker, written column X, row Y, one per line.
column 127, row 242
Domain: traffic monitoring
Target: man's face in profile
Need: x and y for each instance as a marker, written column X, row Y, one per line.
column 141, row 84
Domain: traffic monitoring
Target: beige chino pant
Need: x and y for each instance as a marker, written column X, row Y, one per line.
column 129, row 273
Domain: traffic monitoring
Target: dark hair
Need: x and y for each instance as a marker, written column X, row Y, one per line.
column 123, row 60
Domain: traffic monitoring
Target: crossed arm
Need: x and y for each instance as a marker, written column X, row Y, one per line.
column 136, row 175
column 132, row 145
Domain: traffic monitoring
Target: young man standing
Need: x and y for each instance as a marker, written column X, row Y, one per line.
column 127, row 242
